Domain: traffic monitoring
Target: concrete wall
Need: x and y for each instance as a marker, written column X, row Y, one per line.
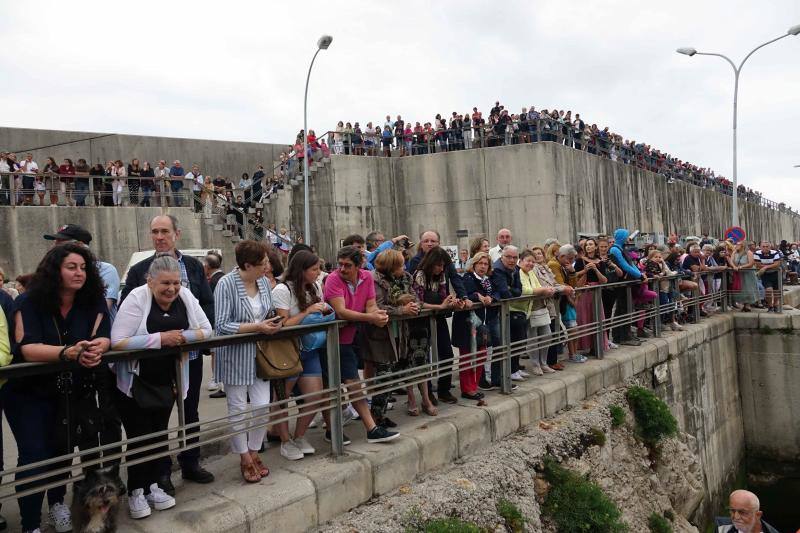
column 116, row 233
column 769, row 373
column 228, row 158
column 538, row 190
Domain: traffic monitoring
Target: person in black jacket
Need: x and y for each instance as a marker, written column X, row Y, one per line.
column 506, row 284
column 745, row 515
column 427, row 241
column 165, row 234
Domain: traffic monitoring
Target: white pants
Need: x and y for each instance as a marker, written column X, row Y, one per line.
column 467, row 139
column 116, row 191
column 237, row 403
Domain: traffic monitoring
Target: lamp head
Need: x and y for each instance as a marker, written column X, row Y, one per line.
column 687, row 51
column 794, row 30
column 324, row 42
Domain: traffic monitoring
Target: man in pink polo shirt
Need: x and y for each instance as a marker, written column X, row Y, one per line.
column 350, row 290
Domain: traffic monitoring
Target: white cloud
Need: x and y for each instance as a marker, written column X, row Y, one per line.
column 236, row 70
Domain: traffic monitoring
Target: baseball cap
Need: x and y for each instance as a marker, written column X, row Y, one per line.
column 70, row 232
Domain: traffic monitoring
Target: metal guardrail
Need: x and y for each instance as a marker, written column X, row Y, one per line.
column 334, row 397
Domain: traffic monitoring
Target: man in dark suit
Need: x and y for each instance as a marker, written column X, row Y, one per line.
column 745, row 515
column 165, row 234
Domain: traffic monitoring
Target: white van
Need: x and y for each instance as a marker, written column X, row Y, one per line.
column 137, row 257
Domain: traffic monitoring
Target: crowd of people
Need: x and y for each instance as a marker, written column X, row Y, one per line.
column 396, row 136
column 71, row 309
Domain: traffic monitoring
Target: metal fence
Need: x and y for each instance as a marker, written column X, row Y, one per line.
column 334, row 397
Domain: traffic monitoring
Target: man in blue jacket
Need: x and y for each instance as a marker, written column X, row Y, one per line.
column 506, row 284
column 620, row 257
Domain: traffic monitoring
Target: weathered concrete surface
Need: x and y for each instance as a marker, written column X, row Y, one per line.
column 769, row 373
column 229, row 158
column 538, row 190
column 117, row 232
column 702, row 391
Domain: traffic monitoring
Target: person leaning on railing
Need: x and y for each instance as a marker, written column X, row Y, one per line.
column 61, row 317
column 156, row 315
column 243, row 304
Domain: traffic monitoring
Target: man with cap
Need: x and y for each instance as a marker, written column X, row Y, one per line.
column 108, row 423
column 165, row 235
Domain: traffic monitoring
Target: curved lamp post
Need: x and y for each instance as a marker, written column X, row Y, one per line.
column 322, row 44
column 794, row 30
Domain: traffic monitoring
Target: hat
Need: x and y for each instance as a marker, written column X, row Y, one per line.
column 70, row 232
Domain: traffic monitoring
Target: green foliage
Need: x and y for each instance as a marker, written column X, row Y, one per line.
column 596, row 437
column 658, row 524
column 617, row 415
column 515, row 522
column 653, row 419
column 451, row 525
column 577, row 505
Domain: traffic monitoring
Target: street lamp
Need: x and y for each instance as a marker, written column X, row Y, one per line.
column 322, row 44
column 794, row 30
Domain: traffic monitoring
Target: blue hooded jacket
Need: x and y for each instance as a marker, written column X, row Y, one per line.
column 620, row 236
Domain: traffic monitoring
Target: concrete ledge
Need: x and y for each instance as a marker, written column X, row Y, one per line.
column 504, row 417
column 437, row 442
column 531, row 407
column 392, row 464
column 473, row 428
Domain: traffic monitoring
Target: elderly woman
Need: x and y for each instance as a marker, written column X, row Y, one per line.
column 745, row 289
column 397, row 342
column 61, row 317
column 243, row 304
column 535, row 311
column 155, row 315
column 478, row 288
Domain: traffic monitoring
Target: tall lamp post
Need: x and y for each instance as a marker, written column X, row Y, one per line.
column 794, row 30
column 322, row 44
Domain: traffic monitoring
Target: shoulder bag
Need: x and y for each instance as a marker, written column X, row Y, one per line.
column 278, row 359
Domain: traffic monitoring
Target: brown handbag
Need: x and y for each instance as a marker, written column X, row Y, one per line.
column 278, row 359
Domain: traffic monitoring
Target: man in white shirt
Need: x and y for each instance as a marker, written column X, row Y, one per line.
column 503, row 240
column 197, row 186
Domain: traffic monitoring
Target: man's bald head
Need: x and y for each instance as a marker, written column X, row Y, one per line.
column 745, row 511
column 504, row 237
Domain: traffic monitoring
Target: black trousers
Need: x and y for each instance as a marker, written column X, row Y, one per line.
column 519, row 331
column 621, row 332
column 138, row 422
column 189, row 459
column 445, row 352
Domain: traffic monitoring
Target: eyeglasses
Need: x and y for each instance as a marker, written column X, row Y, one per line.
column 741, row 512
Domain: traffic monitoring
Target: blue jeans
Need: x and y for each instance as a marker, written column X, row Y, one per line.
column 81, row 191
column 147, row 191
column 176, row 187
column 33, row 420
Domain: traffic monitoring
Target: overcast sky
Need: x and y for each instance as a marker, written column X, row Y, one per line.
column 236, row 70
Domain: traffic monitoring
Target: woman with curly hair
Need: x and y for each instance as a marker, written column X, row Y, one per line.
column 62, row 317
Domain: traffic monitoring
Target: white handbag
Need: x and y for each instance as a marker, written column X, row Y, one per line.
column 540, row 317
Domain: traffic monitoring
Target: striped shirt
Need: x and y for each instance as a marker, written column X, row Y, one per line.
column 236, row 364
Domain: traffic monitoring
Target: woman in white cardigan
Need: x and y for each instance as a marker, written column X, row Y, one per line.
column 156, row 315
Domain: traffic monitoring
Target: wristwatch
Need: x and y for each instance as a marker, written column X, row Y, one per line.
column 62, row 355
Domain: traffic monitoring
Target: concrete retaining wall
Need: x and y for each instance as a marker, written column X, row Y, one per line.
column 228, row 158
column 116, row 233
column 538, row 190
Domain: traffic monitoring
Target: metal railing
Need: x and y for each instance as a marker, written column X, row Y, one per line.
column 334, row 397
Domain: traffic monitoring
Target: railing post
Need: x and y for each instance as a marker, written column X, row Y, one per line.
column 696, row 297
column 179, row 398
column 629, row 307
column 434, row 345
column 724, row 290
column 91, row 192
column 780, row 289
column 505, row 340
column 657, row 324
column 11, row 190
column 597, row 302
column 335, row 382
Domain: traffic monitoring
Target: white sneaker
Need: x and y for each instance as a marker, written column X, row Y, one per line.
column 137, row 505
column 537, row 371
column 525, row 374
column 290, row 451
column 517, row 376
column 315, row 421
column 612, row 346
column 353, row 412
column 158, row 499
column 304, row 446
column 212, row 385
column 547, row 370
column 61, row 517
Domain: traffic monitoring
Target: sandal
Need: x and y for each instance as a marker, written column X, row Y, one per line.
column 262, row 469
column 250, row 472
column 413, row 412
column 430, row 410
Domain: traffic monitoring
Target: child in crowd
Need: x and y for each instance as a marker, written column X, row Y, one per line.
column 655, row 267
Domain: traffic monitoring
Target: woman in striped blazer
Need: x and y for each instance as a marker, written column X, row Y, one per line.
column 243, row 304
